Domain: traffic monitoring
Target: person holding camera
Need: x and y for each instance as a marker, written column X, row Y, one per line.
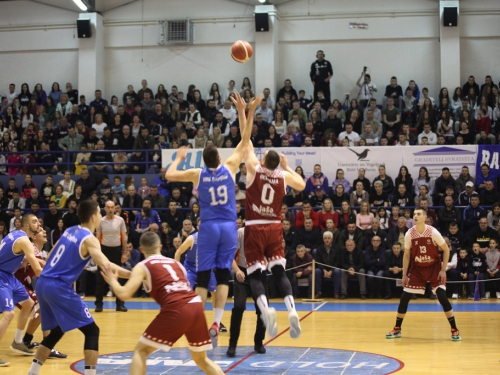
column 321, row 72
column 367, row 88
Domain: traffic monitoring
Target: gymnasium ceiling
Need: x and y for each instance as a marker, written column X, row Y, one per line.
column 106, row 5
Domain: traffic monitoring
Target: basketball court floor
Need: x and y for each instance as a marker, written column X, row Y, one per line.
column 337, row 338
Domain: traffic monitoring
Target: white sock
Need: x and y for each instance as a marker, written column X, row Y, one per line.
column 262, row 303
column 218, row 315
column 18, row 338
column 35, row 368
column 290, row 303
column 90, row 370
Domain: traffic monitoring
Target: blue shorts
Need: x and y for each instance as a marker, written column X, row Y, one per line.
column 11, row 292
column 217, row 244
column 60, row 305
column 192, row 276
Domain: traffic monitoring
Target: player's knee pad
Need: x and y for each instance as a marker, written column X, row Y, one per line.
column 91, row 332
column 222, row 275
column 403, row 303
column 203, row 279
column 53, row 338
column 443, row 300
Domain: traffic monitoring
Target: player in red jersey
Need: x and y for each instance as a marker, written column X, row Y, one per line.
column 266, row 188
column 25, row 274
column 422, row 243
column 181, row 309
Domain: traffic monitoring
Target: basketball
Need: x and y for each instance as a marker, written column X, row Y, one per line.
column 241, row 51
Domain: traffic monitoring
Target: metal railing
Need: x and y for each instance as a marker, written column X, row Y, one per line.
column 69, row 162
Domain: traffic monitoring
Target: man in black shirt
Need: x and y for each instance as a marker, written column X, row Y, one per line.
column 320, row 74
column 72, row 93
column 126, row 140
column 101, row 156
column 108, row 139
column 91, row 140
column 393, row 91
column 287, row 89
column 70, row 218
column 234, row 136
column 130, row 94
column 209, row 112
column 98, row 103
column 332, row 122
column 174, row 217
column 84, row 110
column 87, row 183
column 125, row 118
column 52, row 216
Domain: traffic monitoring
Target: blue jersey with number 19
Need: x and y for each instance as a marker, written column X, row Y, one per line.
column 66, row 262
column 216, row 194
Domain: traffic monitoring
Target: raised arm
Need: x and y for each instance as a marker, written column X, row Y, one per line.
column 246, row 124
column 125, row 292
column 186, row 245
column 292, row 178
column 190, row 175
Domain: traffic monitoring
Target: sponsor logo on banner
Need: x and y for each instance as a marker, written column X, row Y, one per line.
column 436, row 158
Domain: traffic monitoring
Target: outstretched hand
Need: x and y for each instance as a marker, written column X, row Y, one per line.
column 239, row 102
column 283, row 162
column 181, row 153
column 254, row 103
column 109, row 275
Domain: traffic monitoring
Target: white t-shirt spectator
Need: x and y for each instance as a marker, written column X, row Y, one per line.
column 99, row 129
column 353, row 137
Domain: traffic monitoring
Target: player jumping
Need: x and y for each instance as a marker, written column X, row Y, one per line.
column 217, row 237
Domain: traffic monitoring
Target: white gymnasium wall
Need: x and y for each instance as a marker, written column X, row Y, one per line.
column 402, row 40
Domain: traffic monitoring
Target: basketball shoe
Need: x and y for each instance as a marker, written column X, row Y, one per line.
column 214, row 334
column 269, row 319
column 294, row 320
column 455, row 335
column 394, row 334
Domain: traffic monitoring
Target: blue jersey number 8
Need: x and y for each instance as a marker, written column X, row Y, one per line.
column 57, row 255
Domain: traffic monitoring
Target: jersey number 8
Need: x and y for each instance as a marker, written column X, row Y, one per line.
column 57, row 255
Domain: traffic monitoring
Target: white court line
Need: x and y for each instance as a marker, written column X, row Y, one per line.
column 348, row 363
column 294, row 362
column 320, row 306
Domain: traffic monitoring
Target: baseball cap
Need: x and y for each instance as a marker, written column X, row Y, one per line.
column 469, row 184
column 319, row 187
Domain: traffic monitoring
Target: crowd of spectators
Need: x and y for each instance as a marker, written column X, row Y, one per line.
column 34, row 122
column 362, row 221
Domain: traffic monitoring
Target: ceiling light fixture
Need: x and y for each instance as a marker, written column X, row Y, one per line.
column 80, row 5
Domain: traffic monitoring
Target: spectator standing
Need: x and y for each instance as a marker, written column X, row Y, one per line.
column 352, row 264
column 320, row 74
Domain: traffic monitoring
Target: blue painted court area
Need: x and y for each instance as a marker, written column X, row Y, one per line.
column 283, row 360
column 465, row 306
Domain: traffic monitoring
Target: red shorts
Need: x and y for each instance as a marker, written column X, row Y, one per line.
column 419, row 276
column 36, row 307
column 169, row 326
column 264, row 246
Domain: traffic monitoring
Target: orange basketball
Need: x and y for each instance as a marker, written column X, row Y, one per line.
column 241, row 51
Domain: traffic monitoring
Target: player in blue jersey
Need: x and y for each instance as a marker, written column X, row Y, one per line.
column 217, row 237
column 13, row 249
column 62, row 310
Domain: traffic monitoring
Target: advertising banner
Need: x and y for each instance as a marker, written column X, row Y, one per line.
column 435, row 158
column 351, row 159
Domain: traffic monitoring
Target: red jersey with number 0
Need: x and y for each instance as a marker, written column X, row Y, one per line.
column 264, row 195
column 167, row 282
